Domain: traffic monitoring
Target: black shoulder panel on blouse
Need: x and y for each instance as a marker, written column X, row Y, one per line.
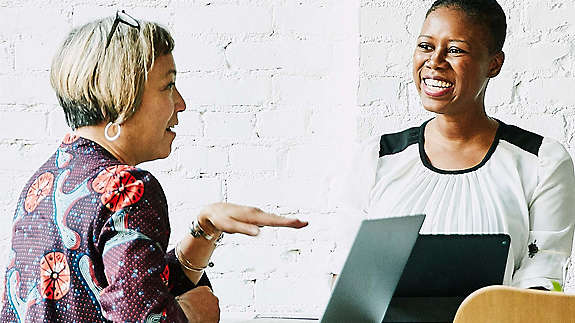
column 521, row 138
column 393, row 143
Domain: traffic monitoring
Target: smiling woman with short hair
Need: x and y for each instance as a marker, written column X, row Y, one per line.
column 469, row 172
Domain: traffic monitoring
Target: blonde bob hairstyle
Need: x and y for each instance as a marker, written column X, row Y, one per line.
column 94, row 83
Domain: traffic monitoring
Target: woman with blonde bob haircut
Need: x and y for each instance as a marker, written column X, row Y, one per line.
column 95, row 82
column 91, row 230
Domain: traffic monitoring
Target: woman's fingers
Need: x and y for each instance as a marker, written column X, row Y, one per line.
column 261, row 218
column 242, row 227
column 233, row 218
column 230, row 225
column 273, row 220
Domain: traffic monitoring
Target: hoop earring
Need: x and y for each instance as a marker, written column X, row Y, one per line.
column 114, row 137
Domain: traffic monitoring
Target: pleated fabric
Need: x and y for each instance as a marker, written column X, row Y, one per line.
column 526, row 193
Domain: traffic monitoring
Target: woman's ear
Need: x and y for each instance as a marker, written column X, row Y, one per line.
column 496, row 64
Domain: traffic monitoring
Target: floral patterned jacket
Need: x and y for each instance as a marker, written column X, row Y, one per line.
column 89, row 244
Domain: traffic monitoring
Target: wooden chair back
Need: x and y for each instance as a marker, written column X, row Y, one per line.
column 503, row 304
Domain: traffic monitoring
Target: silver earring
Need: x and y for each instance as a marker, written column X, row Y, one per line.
column 114, row 137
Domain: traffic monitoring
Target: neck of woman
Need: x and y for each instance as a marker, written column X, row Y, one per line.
column 117, row 148
column 459, row 142
column 463, row 127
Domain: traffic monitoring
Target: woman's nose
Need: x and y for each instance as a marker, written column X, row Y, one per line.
column 179, row 102
column 435, row 60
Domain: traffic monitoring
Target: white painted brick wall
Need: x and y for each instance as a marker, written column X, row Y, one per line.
column 229, row 125
column 210, row 90
column 286, row 123
column 6, row 57
column 301, row 90
column 225, row 19
column 253, row 159
column 29, row 88
column 202, row 159
column 241, row 55
column 273, row 88
column 199, row 55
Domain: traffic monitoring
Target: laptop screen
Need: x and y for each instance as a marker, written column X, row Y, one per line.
column 453, row 265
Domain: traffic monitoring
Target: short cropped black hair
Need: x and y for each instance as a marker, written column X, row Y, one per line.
column 485, row 12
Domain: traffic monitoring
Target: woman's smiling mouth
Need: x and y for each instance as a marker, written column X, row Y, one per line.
column 436, row 87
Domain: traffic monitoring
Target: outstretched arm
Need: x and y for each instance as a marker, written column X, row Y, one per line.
column 217, row 218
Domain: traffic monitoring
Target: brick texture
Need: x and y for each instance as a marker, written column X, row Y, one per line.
column 272, row 89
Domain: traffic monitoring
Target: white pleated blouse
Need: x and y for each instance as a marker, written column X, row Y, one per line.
column 524, row 187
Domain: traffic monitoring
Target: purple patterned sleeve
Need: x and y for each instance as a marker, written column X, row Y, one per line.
column 142, row 277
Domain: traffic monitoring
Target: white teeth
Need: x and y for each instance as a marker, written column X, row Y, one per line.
column 437, row 83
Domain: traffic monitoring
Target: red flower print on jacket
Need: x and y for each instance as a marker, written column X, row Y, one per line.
column 119, row 187
column 104, row 180
column 54, row 275
column 41, row 187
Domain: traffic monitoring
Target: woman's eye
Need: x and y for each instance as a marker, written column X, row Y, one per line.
column 455, row 50
column 171, row 85
column 424, row 46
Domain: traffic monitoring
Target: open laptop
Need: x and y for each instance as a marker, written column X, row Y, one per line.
column 362, row 293
column 430, row 285
column 444, row 269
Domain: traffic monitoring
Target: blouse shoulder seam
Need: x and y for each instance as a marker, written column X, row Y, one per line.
column 397, row 142
column 525, row 140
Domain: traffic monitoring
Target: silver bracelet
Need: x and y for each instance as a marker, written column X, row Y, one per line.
column 197, row 231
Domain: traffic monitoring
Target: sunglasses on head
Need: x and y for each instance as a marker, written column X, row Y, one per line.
column 122, row 17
